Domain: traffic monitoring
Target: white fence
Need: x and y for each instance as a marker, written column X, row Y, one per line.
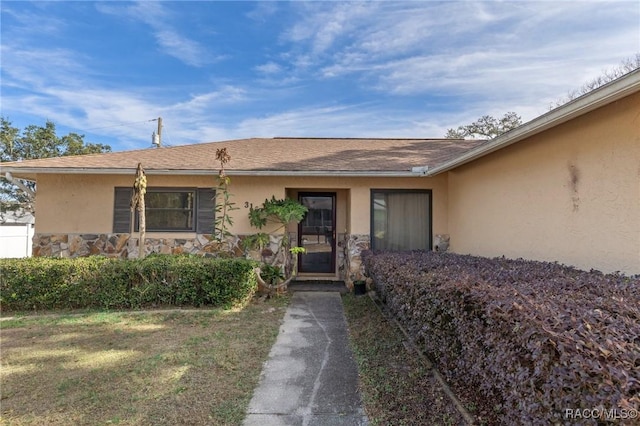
column 16, row 239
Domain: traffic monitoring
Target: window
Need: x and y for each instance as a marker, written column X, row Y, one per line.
column 167, row 210
column 170, row 210
column 400, row 219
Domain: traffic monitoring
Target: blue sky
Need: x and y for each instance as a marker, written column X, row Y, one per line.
column 225, row 70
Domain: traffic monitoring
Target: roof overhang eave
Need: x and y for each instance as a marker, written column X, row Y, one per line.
column 28, row 171
column 605, row 95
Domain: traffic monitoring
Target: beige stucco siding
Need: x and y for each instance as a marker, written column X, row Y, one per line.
column 359, row 196
column 78, row 203
column 570, row 194
column 84, row 203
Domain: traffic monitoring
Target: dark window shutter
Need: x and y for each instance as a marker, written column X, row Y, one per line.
column 122, row 210
column 205, row 211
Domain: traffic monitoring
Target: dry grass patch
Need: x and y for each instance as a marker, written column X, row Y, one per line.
column 397, row 387
column 189, row 367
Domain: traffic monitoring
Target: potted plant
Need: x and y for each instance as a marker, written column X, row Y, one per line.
column 359, row 287
column 271, row 278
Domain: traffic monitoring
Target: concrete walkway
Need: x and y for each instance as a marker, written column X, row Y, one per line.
column 310, row 377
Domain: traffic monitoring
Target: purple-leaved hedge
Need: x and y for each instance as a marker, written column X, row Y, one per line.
column 531, row 340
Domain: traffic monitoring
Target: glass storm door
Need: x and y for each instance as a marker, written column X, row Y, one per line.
column 317, row 233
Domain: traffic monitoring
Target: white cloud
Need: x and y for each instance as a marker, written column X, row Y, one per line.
column 533, row 49
column 340, row 121
column 322, row 24
column 30, row 23
column 182, row 48
column 263, row 11
column 92, row 110
column 36, row 68
column 269, row 68
column 171, row 42
column 477, row 59
column 201, row 102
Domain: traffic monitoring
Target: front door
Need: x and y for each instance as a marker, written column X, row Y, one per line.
column 317, row 232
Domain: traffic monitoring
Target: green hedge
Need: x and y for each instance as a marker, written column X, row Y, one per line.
column 97, row 282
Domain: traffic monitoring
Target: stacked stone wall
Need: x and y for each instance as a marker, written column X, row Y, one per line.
column 348, row 259
column 116, row 245
column 355, row 245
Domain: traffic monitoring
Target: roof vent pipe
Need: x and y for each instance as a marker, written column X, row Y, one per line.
column 422, row 170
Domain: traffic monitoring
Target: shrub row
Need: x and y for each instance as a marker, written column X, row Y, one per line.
column 530, row 339
column 97, row 282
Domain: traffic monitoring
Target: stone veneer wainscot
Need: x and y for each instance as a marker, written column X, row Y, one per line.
column 350, row 247
column 114, row 245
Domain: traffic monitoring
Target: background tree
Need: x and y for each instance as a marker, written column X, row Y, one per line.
column 32, row 143
column 608, row 75
column 486, row 127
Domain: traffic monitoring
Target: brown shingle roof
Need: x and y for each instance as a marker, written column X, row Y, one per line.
column 267, row 154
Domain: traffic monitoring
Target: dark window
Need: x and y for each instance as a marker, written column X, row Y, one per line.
column 167, row 209
column 400, row 219
column 170, row 210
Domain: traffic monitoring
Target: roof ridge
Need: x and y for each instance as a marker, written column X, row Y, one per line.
column 353, row 138
column 259, row 154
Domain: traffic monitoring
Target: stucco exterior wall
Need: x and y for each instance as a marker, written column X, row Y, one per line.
column 84, row 203
column 357, row 203
column 75, row 213
column 570, row 194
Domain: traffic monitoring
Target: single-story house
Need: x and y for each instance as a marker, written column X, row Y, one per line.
column 563, row 187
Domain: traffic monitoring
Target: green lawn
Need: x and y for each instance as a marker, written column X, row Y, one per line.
column 135, row 368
